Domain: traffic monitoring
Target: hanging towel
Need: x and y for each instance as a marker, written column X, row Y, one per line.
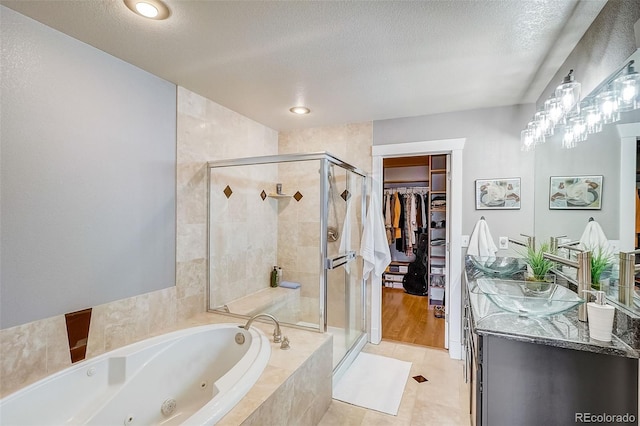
column 373, row 246
column 593, row 238
column 481, row 242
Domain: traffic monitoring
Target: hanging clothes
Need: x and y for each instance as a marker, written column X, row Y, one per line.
column 397, row 211
column 407, row 248
column 387, row 217
column 425, row 224
column 419, row 220
column 405, row 217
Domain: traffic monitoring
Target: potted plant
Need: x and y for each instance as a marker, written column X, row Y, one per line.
column 601, row 260
column 538, row 268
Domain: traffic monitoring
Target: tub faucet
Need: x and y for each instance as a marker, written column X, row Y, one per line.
column 277, row 335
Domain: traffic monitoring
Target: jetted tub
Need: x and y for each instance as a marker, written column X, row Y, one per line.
column 193, row 376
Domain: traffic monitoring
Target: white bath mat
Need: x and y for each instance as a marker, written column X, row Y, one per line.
column 375, row 382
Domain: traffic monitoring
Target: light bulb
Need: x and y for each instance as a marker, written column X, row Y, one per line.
column 592, row 118
column 526, row 138
column 146, row 9
column 569, row 93
column 628, row 87
column 553, row 108
column 544, row 124
column 608, row 106
column 579, row 129
column 300, row 110
column 150, row 9
column 628, row 93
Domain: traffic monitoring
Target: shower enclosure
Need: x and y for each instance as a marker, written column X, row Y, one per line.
column 303, row 214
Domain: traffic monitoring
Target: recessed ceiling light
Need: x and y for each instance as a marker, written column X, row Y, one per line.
column 152, row 9
column 301, row 110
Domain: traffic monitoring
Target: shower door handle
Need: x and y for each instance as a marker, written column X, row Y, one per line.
column 340, row 259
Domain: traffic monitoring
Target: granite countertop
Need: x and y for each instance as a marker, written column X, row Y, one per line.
column 562, row 330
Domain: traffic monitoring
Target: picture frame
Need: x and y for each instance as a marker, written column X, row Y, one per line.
column 498, row 194
column 575, row 192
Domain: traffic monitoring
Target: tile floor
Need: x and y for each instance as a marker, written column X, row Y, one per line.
column 441, row 401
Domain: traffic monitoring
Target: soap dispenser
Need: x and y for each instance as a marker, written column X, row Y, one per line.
column 600, row 316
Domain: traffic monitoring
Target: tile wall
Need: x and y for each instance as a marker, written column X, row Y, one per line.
column 298, row 248
column 206, row 131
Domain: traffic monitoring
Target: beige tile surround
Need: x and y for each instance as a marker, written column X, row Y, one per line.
column 206, row 131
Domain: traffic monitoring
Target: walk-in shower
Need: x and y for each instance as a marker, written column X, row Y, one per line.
column 302, row 213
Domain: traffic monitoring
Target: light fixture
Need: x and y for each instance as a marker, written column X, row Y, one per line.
column 578, row 128
column 619, row 92
column 545, row 125
column 568, row 93
column 627, row 86
column 152, row 9
column 568, row 141
column 553, row 108
column 300, row 110
column 608, row 106
column 536, row 132
column 592, row 118
column 526, row 139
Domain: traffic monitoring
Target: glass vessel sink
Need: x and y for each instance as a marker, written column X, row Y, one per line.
column 499, row 267
column 528, row 298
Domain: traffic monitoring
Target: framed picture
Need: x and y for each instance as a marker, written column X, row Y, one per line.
column 503, row 193
column 575, row 192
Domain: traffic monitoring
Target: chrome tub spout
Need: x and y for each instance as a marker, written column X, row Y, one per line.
column 277, row 335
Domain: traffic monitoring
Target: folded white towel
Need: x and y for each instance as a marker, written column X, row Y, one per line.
column 593, row 238
column 481, row 242
column 374, row 247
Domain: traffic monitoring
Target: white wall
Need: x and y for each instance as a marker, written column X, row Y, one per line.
column 87, row 175
column 492, row 150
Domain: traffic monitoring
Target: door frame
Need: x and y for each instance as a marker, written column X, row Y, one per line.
column 453, row 289
column 629, row 134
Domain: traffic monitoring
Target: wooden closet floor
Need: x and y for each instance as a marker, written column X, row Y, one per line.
column 406, row 318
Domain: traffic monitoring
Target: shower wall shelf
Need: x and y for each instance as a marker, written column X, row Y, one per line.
column 279, row 196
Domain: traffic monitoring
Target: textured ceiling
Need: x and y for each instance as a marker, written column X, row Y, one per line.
column 348, row 61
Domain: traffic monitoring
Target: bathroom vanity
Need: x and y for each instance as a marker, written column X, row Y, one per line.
column 527, row 369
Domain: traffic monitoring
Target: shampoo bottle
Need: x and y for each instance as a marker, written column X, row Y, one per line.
column 600, row 316
column 274, row 277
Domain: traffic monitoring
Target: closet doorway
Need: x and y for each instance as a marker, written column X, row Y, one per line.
column 416, row 216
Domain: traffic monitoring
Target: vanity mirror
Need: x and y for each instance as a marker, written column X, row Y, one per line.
column 611, row 154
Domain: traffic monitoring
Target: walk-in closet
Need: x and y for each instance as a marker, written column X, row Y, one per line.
column 415, row 214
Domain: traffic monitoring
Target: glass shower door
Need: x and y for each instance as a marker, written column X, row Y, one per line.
column 344, row 290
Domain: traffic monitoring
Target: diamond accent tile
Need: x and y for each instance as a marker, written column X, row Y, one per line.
column 297, row 196
column 420, row 379
column 345, row 195
column 263, row 195
column 227, row 191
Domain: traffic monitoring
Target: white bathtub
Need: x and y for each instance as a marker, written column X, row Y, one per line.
column 195, row 376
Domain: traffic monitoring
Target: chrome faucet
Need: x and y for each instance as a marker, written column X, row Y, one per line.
column 628, row 270
column 531, row 241
column 277, row 335
column 583, row 265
